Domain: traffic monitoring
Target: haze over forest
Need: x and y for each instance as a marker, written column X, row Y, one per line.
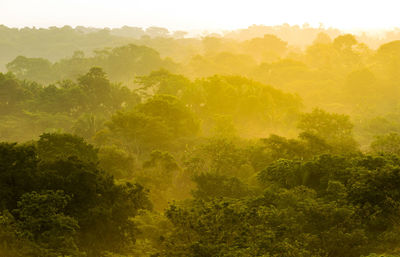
column 215, row 140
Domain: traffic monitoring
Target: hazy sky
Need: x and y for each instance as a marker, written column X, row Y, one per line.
column 201, row 14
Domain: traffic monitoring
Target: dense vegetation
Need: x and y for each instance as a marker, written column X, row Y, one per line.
column 242, row 145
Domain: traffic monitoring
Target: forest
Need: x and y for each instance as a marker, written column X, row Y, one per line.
column 270, row 141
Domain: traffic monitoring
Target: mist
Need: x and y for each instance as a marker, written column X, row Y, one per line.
column 199, row 129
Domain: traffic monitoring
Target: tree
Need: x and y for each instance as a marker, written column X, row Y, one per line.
column 322, row 38
column 267, row 48
column 97, row 87
column 281, row 222
column 102, row 208
column 345, row 41
column 125, row 62
column 135, row 132
column 157, row 32
column 220, row 156
column 116, row 161
column 18, row 173
column 161, row 122
column 37, row 69
column 335, row 129
column 211, row 185
column 162, row 175
column 171, row 111
column 41, row 217
column 389, row 143
column 163, row 82
column 12, row 93
column 52, row 147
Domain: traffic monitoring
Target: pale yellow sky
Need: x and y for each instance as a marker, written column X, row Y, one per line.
column 201, row 14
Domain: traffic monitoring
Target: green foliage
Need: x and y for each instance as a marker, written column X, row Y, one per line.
column 173, row 113
column 211, row 186
column 253, row 106
column 85, row 104
column 165, row 179
column 221, row 156
column 42, row 220
column 329, row 206
column 163, row 82
column 13, row 244
column 18, row 173
column 63, row 203
column 197, row 155
column 154, row 124
column 389, row 143
column 335, row 129
column 264, row 226
column 267, row 48
column 37, row 69
column 135, row 132
column 122, row 63
column 51, row 147
column 116, row 161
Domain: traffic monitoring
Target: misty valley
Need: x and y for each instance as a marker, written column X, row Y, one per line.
column 272, row 141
